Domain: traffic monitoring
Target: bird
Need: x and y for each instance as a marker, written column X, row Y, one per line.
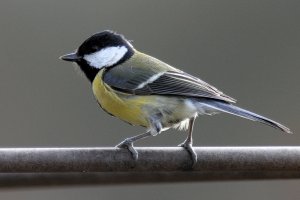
column 145, row 91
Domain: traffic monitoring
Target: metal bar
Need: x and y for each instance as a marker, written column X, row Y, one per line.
column 61, row 166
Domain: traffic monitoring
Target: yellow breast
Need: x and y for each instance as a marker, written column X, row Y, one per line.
column 124, row 106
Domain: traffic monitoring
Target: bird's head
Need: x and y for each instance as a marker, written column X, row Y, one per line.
column 103, row 49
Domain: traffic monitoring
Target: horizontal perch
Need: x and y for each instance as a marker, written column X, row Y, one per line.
column 155, row 164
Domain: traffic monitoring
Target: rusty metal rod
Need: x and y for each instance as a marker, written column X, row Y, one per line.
column 61, row 166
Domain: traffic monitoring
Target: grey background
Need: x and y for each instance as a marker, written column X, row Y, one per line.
column 248, row 49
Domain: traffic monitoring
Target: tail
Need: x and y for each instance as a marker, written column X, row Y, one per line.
column 234, row 110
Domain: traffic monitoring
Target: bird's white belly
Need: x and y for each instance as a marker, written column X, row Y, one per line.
column 176, row 112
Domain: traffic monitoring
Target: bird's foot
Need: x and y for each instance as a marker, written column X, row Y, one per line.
column 189, row 147
column 128, row 144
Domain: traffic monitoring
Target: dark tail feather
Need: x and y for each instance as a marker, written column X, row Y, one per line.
column 234, row 110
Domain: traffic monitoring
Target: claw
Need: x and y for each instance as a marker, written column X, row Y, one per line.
column 126, row 144
column 188, row 146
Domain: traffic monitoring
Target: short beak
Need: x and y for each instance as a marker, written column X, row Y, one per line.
column 71, row 57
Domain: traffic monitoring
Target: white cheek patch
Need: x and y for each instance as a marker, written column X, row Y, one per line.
column 106, row 57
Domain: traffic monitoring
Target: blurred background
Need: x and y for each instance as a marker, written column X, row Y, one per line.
column 248, row 49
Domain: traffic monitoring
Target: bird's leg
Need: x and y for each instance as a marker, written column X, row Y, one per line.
column 128, row 143
column 156, row 128
column 188, row 143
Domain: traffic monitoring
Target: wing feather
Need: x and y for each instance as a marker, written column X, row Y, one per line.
column 141, row 81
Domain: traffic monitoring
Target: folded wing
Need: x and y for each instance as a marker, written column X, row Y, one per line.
column 144, row 81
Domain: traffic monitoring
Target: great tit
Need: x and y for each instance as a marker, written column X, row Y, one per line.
column 142, row 90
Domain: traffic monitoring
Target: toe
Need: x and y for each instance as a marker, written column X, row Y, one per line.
column 124, row 144
column 188, row 146
column 133, row 152
column 181, row 145
column 193, row 155
column 128, row 145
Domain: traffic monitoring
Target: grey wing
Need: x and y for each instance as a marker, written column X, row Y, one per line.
column 148, row 82
column 182, row 84
column 127, row 78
